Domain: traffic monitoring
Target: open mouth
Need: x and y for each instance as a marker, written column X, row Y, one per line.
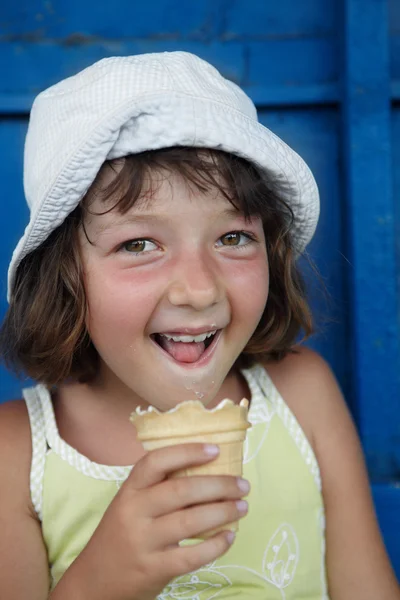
column 186, row 348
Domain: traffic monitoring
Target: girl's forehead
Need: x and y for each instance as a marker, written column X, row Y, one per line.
column 160, row 189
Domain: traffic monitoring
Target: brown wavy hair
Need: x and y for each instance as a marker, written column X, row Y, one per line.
column 44, row 333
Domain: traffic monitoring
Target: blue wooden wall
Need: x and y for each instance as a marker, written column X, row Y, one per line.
column 326, row 77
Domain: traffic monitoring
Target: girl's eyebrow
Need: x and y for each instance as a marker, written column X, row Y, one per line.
column 131, row 219
column 157, row 218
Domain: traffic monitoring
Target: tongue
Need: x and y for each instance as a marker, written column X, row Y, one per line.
column 187, row 352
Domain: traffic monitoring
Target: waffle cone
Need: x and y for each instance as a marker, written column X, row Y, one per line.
column 190, row 421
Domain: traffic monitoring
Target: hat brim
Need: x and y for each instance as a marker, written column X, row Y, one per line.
column 176, row 119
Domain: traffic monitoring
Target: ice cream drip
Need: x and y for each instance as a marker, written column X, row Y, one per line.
column 199, row 388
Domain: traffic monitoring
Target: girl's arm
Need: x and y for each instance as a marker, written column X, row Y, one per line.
column 357, row 564
column 23, row 563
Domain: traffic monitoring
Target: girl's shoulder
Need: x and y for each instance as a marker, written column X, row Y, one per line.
column 300, row 370
column 15, row 449
column 14, row 425
column 309, row 388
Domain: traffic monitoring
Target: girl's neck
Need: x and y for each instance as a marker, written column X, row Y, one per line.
column 110, row 395
column 97, row 424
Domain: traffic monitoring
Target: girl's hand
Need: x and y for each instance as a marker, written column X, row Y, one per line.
column 134, row 552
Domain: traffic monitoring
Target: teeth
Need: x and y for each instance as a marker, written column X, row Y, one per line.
column 189, row 338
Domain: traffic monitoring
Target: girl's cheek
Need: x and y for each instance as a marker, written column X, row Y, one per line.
column 119, row 297
column 257, row 282
column 253, row 274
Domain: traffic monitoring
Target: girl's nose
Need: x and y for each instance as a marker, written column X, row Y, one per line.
column 195, row 284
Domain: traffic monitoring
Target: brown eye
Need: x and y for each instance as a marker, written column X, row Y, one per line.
column 138, row 246
column 231, row 239
column 236, row 239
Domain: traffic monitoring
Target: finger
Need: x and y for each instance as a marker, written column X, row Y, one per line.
column 176, row 494
column 182, row 560
column 191, row 522
column 155, row 466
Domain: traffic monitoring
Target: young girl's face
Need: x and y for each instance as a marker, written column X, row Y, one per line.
column 176, row 267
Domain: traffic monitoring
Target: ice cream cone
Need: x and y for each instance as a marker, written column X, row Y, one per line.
column 224, row 425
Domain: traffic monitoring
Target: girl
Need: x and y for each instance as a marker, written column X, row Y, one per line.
column 159, row 265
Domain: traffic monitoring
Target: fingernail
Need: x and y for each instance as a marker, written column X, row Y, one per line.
column 243, row 485
column 230, row 536
column 242, row 506
column 211, row 449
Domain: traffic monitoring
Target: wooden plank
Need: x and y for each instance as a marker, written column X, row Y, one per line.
column 66, row 19
column 394, row 53
column 13, row 206
column 292, row 62
column 370, row 225
column 294, row 95
column 395, row 90
column 277, row 72
column 28, row 68
column 166, row 19
column 394, row 16
column 16, row 104
column 255, row 19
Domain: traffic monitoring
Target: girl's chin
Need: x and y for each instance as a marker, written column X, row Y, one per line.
column 204, row 391
column 168, row 390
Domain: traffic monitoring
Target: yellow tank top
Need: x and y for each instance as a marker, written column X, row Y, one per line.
column 279, row 551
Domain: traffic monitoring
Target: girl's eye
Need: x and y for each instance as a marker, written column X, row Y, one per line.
column 236, row 238
column 138, row 246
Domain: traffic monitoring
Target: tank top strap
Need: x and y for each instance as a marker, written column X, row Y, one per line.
column 266, row 401
column 33, row 399
column 40, row 398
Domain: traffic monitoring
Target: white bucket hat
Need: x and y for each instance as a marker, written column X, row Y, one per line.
column 125, row 105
